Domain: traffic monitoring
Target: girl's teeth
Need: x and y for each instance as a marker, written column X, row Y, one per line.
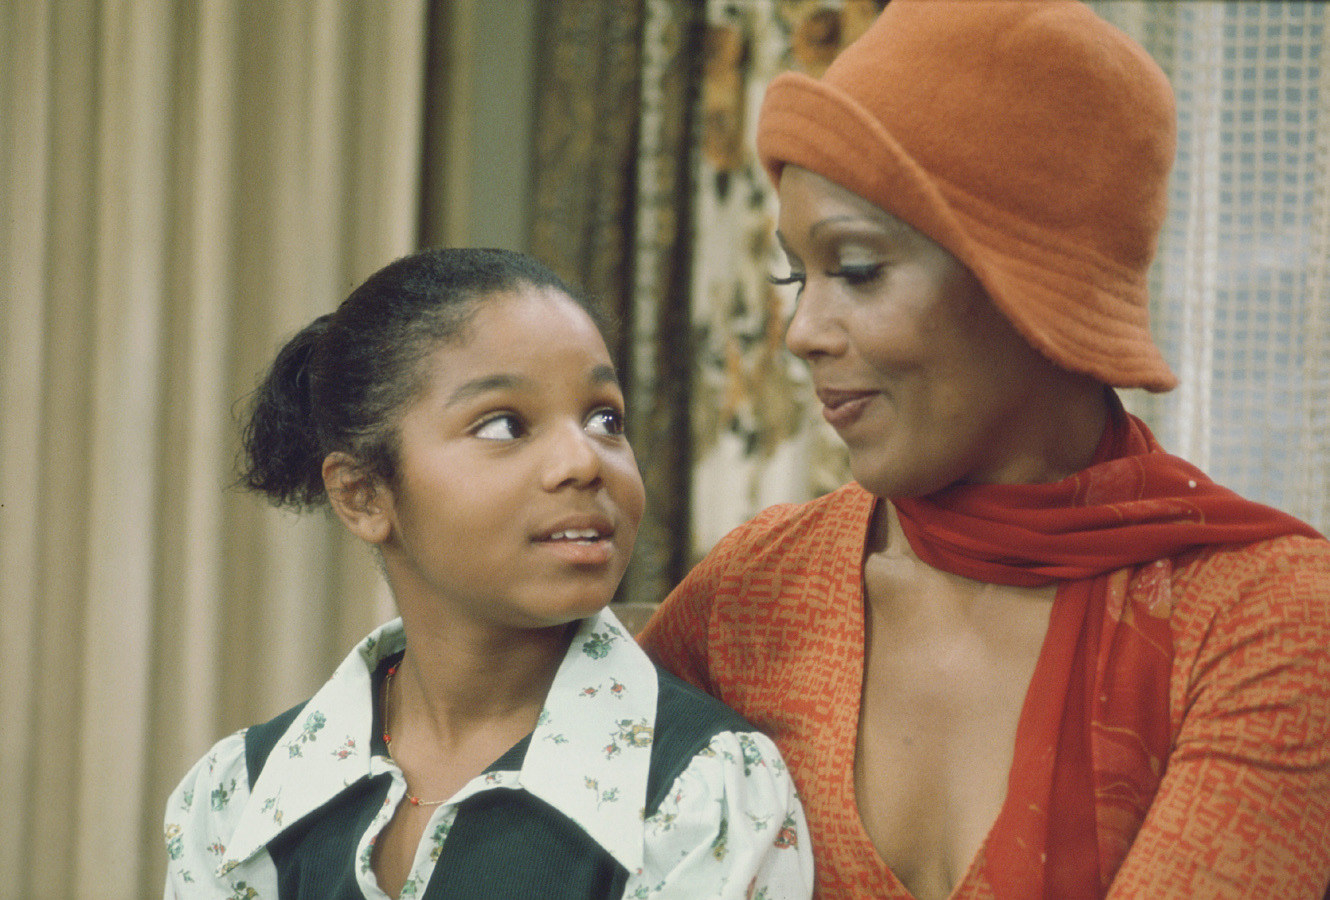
column 575, row 535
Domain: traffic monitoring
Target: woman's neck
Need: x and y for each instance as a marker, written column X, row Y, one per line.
column 1052, row 436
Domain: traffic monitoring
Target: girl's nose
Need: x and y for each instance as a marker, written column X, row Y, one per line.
column 573, row 459
column 813, row 330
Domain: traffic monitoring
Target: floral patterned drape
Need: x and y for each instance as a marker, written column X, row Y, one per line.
column 757, row 439
column 648, row 194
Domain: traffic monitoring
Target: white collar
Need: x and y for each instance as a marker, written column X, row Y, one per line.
column 589, row 754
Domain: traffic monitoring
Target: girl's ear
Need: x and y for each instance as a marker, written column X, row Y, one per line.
column 358, row 499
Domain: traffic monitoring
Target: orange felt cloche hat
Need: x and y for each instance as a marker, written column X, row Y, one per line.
column 1029, row 138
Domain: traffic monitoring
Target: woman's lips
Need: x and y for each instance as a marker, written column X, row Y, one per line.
column 842, row 409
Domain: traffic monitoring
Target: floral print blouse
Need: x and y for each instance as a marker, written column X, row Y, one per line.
column 731, row 826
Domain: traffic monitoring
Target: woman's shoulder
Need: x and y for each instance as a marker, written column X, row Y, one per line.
column 762, row 564
column 1272, row 590
column 1291, row 566
column 834, row 518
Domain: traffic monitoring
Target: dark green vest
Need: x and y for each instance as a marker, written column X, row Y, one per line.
column 503, row 843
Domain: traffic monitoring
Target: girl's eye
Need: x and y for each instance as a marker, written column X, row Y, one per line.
column 607, row 421
column 857, row 274
column 501, row 427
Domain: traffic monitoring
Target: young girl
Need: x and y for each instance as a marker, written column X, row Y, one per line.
column 505, row 737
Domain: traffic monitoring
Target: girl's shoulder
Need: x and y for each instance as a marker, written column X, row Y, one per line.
column 204, row 810
column 687, row 721
column 720, row 784
column 218, row 782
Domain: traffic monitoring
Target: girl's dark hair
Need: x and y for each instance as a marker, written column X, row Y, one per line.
column 343, row 382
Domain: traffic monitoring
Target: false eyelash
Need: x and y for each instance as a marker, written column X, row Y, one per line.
column 792, row 278
column 857, row 274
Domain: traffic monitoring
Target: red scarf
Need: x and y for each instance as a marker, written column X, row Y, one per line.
column 1089, row 754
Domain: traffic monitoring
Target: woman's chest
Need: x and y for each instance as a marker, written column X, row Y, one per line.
column 946, row 673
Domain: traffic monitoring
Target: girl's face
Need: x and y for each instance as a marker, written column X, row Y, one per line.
column 920, row 374
column 517, row 499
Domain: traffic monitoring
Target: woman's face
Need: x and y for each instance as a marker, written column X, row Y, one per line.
column 920, row 374
column 517, row 499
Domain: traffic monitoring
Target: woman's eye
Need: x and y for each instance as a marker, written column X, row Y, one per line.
column 502, row 427
column 858, row 274
column 796, row 278
column 605, row 422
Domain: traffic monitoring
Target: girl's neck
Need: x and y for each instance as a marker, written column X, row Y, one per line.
column 455, row 682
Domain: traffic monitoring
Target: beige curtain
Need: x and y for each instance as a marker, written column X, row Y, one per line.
column 181, row 186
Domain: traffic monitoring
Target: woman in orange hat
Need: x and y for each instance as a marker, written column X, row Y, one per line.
column 1027, row 653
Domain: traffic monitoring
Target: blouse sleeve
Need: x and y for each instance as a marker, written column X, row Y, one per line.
column 1244, row 806
column 201, row 815
column 731, row 827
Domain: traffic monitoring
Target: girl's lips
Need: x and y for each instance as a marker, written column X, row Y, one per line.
column 596, row 552
column 579, row 540
column 575, row 526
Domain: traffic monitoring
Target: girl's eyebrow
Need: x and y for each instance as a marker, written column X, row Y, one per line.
column 479, row 386
column 602, row 374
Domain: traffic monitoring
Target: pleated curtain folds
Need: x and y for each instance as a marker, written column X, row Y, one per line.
column 182, row 185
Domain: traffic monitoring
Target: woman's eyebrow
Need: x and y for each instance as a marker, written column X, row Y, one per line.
column 820, row 224
column 892, row 228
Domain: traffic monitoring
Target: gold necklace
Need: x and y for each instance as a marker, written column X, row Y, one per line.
column 388, row 741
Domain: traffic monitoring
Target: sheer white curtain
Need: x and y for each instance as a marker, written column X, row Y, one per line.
column 1241, row 295
column 181, row 186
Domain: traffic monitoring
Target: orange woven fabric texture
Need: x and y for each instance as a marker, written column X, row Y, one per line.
column 1231, row 646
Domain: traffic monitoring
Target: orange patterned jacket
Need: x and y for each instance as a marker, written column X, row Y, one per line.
column 772, row 622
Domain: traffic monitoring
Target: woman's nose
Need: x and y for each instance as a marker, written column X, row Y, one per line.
column 813, row 331
column 573, row 459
